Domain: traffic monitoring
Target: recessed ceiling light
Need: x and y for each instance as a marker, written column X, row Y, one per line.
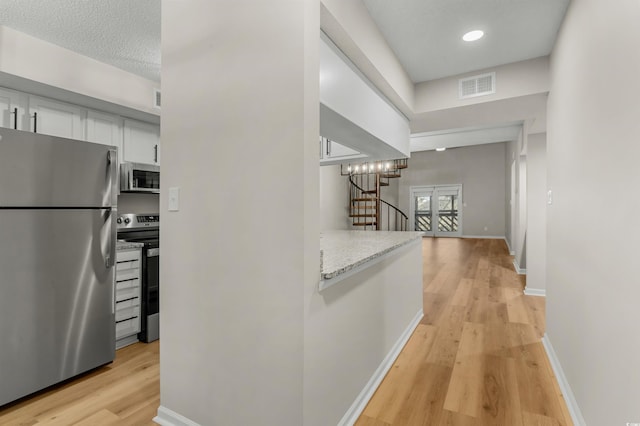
column 440, row 149
column 473, row 35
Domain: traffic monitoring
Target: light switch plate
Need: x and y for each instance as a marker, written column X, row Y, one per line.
column 174, row 199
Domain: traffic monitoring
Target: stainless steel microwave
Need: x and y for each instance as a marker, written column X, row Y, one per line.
column 137, row 177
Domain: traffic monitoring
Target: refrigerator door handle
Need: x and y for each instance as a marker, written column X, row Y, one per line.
column 112, row 159
column 110, row 258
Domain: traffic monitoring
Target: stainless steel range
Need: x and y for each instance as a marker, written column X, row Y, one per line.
column 145, row 229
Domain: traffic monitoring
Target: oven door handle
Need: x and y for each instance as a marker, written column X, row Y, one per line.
column 154, row 252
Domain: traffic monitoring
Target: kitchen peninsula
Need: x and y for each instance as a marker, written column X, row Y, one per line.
column 367, row 304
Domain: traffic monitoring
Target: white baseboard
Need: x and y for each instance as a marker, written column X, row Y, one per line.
column 572, row 404
column 487, row 237
column 168, row 417
column 511, row 252
column 519, row 270
column 365, row 395
column 535, row 292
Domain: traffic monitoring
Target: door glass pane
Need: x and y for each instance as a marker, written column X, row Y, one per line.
column 423, row 213
column 448, row 213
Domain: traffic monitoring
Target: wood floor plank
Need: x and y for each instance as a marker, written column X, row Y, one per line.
column 500, row 397
column 532, row 419
column 424, row 403
column 449, row 418
column 465, row 389
column 463, row 292
column 370, row 421
column 103, row 417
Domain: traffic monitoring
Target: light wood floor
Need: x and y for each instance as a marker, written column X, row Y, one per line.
column 126, row 392
column 476, row 357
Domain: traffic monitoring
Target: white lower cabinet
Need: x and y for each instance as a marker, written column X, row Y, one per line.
column 127, row 294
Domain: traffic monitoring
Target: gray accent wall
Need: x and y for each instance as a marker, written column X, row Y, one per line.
column 481, row 171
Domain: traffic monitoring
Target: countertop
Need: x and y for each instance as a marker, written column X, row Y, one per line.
column 342, row 251
column 124, row 245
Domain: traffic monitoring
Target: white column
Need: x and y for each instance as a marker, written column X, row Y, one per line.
column 239, row 139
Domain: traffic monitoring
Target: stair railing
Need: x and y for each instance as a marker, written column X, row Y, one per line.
column 366, row 206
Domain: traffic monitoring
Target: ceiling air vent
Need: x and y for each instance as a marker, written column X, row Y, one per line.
column 156, row 98
column 478, row 85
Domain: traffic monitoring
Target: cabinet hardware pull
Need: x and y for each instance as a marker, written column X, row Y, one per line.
column 15, row 119
column 155, row 153
column 126, row 320
column 328, row 147
column 35, row 122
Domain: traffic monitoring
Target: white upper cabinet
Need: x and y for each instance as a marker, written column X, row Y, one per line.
column 332, row 152
column 141, row 142
column 104, row 128
column 55, row 118
column 11, row 109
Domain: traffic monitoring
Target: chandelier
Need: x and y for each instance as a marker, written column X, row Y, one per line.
column 385, row 168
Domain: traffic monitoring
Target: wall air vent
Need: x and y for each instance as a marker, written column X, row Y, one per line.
column 478, row 85
column 156, row 98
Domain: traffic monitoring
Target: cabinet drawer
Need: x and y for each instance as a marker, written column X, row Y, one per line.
column 127, row 255
column 128, row 274
column 127, row 313
column 127, row 327
column 127, row 292
column 121, row 305
column 125, row 265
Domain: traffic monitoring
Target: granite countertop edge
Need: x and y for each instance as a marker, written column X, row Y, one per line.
column 413, row 236
column 123, row 245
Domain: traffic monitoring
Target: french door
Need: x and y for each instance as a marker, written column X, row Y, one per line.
column 435, row 210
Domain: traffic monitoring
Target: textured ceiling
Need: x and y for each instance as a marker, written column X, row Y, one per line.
column 122, row 33
column 426, row 35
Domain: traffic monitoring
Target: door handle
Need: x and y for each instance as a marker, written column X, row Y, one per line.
column 112, row 160
column 110, row 258
column 15, row 119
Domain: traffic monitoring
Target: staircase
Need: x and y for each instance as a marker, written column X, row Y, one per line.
column 368, row 210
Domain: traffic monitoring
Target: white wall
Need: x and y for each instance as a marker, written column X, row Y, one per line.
column 37, row 62
column 512, row 80
column 240, row 105
column 334, row 199
column 481, row 171
column 536, row 213
column 592, row 250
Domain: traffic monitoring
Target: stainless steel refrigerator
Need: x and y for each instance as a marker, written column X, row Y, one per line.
column 57, row 256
